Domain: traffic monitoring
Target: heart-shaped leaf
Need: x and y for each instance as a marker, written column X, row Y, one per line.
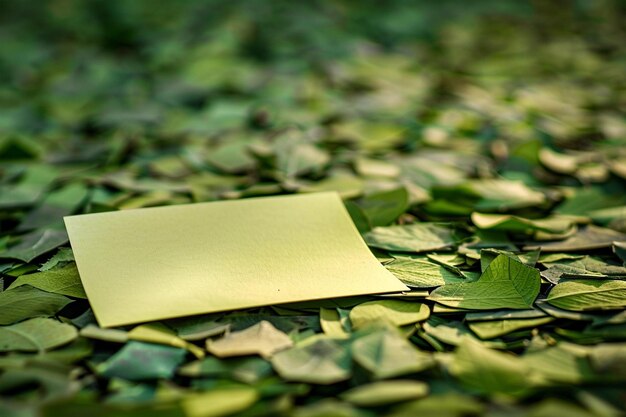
column 506, row 283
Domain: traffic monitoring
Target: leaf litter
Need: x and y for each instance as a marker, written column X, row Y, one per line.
column 493, row 190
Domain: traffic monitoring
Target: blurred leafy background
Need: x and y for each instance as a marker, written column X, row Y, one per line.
column 413, row 110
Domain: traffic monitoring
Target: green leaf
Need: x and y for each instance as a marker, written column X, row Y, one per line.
column 619, row 249
column 322, row 361
column 387, row 354
column 385, row 392
column 262, row 339
column 219, row 402
column 62, row 256
column 250, row 369
column 564, row 363
column 358, row 216
column 161, row 334
column 587, row 238
column 492, row 194
column 496, row 328
column 330, row 321
column 487, row 371
column 394, row 312
column 25, row 302
column 138, row 361
column 589, row 294
column 506, row 283
column 582, row 267
column 419, row 237
column 421, row 273
column 35, row 244
column 384, row 207
column 64, row 281
column 91, row 331
column 509, row 223
column 36, row 335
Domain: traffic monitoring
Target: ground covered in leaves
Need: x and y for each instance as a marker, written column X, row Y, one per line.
column 481, row 156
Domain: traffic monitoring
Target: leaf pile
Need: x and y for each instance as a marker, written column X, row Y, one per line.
column 482, row 159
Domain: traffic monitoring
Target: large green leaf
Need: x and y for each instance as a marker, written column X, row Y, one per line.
column 394, row 312
column 322, row 361
column 36, row 335
column 25, row 302
column 418, row 237
column 589, row 294
column 506, row 283
column 64, row 281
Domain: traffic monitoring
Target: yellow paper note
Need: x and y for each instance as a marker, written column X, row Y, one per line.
column 163, row 262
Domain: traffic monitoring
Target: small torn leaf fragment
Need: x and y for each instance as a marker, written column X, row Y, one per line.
column 91, row 331
column 331, row 324
column 421, row 273
column 219, row 402
column 34, row 244
column 198, row 328
column 62, row 256
column 387, row 354
column 492, row 194
column 385, row 392
column 36, row 335
column 248, row 369
column 496, row 328
column 509, row 223
column 263, row 339
column 587, row 238
column 384, row 207
column 582, row 268
column 138, row 361
column 418, row 237
column 64, row 281
column 394, row 312
column 161, row 334
column 506, row 283
column 322, row 361
column 619, row 249
column 504, row 315
column 25, row 302
column 589, row 294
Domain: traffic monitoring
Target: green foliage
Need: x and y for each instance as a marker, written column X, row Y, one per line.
column 478, row 147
